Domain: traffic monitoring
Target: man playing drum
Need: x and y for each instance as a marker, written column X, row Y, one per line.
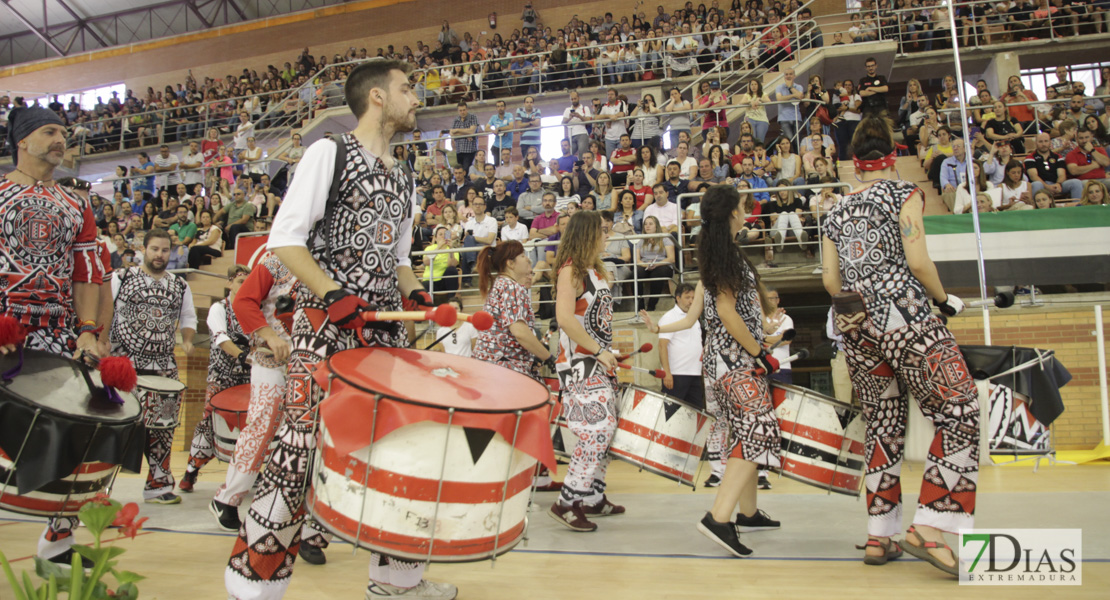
column 50, row 269
column 344, row 231
column 227, row 367
column 150, row 305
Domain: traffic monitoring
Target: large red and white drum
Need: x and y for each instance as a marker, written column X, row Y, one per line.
column 660, row 434
column 229, row 418
column 62, row 440
column 822, row 439
column 426, row 455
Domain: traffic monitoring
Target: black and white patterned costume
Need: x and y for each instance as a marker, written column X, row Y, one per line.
column 148, row 312
column 589, row 394
column 359, row 239
column 223, row 372
column 901, row 347
column 734, row 392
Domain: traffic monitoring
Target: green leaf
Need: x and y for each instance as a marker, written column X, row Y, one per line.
column 76, row 576
column 29, row 587
column 98, row 555
column 12, row 581
column 97, row 517
column 127, row 591
column 45, row 569
column 126, row 576
column 52, row 587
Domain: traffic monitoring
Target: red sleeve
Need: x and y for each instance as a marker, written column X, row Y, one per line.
column 105, row 261
column 248, row 301
column 87, row 267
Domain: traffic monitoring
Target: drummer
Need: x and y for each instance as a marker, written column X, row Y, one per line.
column 347, row 241
column 55, row 296
column 504, row 279
column 895, row 348
column 584, row 310
column 730, row 295
column 227, row 368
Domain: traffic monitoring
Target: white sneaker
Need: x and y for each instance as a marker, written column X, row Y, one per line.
column 425, row 590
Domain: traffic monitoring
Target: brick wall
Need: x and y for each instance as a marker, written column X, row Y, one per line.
column 193, row 371
column 1068, row 331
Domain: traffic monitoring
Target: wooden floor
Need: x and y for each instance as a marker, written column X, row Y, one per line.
column 184, row 566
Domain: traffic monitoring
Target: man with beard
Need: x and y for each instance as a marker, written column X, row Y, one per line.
column 370, row 205
column 150, row 305
column 49, row 270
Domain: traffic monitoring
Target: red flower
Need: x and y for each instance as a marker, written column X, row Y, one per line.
column 101, row 499
column 132, row 529
column 126, row 515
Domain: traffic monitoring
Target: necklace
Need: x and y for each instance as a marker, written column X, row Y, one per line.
column 33, row 178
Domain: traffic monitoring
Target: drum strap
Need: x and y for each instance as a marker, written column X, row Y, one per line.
column 850, row 311
column 333, row 191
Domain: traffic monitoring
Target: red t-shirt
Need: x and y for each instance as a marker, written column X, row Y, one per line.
column 209, row 148
column 641, row 195
column 738, row 158
column 620, row 153
column 751, row 218
column 1081, row 158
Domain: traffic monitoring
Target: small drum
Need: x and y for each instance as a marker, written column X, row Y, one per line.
column 661, row 434
column 229, row 418
column 822, row 439
column 425, row 455
column 61, row 440
column 161, row 401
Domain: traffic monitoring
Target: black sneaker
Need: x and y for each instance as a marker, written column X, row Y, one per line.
column 227, row 516
column 757, row 522
column 725, row 536
column 65, row 559
column 764, row 483
column 713, row 481
column 312, row 555
column 188, row 481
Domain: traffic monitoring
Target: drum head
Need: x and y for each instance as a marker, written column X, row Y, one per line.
column 438, row 379
column 160, row 384
column 55, row 384
column 801, row 391
column 666, row 397
column 233, row 399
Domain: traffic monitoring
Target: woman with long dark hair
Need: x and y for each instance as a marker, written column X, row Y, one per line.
column 504, row 279
column 730, row 297
column 895, row 345
column 584, row 310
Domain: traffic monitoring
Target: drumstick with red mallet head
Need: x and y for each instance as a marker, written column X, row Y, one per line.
column 481, row 321
column 444, row 315
column 641, row 349
column 801, row 355
column 656, row 373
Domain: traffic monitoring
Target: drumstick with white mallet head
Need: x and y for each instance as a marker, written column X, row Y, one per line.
column 1000, row 300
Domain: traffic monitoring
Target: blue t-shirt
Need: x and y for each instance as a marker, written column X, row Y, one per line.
column 145, row 184
column 529, row 137
column 502, row 140
column 788, row 112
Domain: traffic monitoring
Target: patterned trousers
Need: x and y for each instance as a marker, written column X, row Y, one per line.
column 922, row 359
column 262, row 559
column 718, row 434
column 263, row 415
column 753, row 426
column 590, row 409
column 203, row 447
column 159, row 447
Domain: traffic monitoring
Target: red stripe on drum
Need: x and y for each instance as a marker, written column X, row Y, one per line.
column 413, row 548
column 45, row 507
column 659, row 438
column 820, row 476
column 425, row 490
column 662, row 469
column 828, row 438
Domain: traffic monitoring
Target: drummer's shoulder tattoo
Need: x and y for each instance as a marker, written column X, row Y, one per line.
column 910, row 231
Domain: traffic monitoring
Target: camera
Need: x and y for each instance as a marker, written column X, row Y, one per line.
column 579, row 163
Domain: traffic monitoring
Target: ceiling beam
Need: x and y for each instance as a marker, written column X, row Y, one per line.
column 35, row 30
column 235, row 7
column 192, row 5
column 82, row 23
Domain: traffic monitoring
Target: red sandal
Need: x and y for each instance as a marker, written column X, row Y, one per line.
column 922, row 551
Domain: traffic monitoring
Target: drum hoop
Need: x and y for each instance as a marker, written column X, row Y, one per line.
column 383, row 396
column 666, row 398
column 139, row 384
column 815, row 395
column 10, row 396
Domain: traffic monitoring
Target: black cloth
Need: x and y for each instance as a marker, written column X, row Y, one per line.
column 688, row 388
column 877, row 102
column 75, row 422
column 1041, row 385
column 1046, row 166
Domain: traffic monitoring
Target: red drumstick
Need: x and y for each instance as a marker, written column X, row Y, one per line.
column 644, row 348
column 481, row 320
column 444, row 315
column 656, row 373
column 801, row 355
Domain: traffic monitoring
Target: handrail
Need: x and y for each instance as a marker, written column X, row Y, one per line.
column 1057, row 100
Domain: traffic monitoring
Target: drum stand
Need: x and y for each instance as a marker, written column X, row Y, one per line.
column 1049, row 453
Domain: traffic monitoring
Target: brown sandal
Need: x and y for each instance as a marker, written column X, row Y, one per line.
column 891, row 551
column 922, row 551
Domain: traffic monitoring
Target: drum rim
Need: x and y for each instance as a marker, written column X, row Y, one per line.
column 667, row 398
column 363, row 388
column 815, row 394
column 140, row 378
column 8, row 394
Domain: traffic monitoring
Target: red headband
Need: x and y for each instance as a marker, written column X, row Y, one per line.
column 885, row 162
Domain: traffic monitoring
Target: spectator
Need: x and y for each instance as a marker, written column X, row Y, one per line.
column 1015, row 190
column 143, row 187
column 986, row 196
column 674, row 185
column 627, row 219
column 687, row 165
column 504, row 170
column 953, row 171
column 1098, row 130
column 240, row 217
column 565, row 193
column 754, row 181
column 679, row 122
column 786, row 165
column 528, row 118
column 166, row 165
column 466, row 148
column 544, row 225
column 480, row 230
column 575, row 118
column 706, row 172
column 613, row 114
column 645, row 126
column 713, row 100
column 790, row 92
column 617, row 256
column 1094, row 193
column 529, row 203
column 292, row 156
column 681, row 52
column 433, row 211
column 655, row 259
column 623, row 159
column 873, row 88
column 185, row 229
column 851, row 112
column 1015, row 96
column 513, row 228
column 1088, row 161
column 1004, row 128
column 664, row 211
column 786, row 212
column 719, row 163
column 501, row 126
column 179, row 254
column 243, row 130
column 498, row 201
column 1066, row 141
column 602, row 194
column 441, row 270
column 1046, row 171
column 647, row 161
